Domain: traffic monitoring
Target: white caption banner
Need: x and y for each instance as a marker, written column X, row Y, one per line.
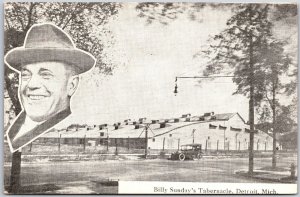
column 152, row 187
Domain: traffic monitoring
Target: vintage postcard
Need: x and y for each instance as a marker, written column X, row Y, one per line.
column 150, row 98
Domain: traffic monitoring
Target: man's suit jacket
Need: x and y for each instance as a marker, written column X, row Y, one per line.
column 34, row 133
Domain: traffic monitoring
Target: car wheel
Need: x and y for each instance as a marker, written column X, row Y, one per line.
column 199, row 156
column 181, row 157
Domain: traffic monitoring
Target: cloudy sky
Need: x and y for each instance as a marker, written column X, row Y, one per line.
column 148, row 59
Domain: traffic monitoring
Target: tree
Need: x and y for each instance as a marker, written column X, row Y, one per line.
column 85, row 22
column 255, row 57
column 285, row 122
column 274, row 65
column 237, row 47
column 165, row 13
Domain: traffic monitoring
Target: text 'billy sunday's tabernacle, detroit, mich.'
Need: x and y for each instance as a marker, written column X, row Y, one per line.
column 201, row 190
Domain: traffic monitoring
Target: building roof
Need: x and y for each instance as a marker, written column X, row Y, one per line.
column 227, row 116
column 125, row 131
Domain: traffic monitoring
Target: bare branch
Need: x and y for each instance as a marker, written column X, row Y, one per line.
column 72, row 16
column 32, row 5
column 7, row 22
column 17, row 8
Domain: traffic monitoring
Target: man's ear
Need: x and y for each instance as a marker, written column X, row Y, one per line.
column 73, row 84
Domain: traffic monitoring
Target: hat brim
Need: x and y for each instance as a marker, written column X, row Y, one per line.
column 81, row 60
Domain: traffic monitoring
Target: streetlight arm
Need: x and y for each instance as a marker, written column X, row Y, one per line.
column 201, row 77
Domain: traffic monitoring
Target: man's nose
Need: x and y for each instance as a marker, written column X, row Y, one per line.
column 34, row 82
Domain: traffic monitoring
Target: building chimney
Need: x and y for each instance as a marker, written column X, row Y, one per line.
column 162, row 125
column 207, row 116
column 201, row 118
column 116, row 126
column 154, row 121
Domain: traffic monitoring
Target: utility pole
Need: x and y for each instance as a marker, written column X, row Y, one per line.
column 251, row 122
column 84, row 143
column 147, row 126
column 146, row 141
column 107, row 139
column 236, row 141
column 128, row 143
column 265, row 145
column 224, row 140
column 116, row 153
column 193, row 133
column 99, row 139
column 30, row 147
column 274, row 126
column 59, row 142
column 251, row 102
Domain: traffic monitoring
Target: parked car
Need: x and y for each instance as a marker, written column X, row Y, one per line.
column 188, row 152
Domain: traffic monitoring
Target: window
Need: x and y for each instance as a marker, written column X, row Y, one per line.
column 170, row 135
column 101, row 134
column 208, row 137
column 212, row 126
column 153, row 139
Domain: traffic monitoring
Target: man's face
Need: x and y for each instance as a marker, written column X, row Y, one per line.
column 45, row 89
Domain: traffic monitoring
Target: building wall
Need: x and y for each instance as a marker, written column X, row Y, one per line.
column 213, row 138
column 133, row 143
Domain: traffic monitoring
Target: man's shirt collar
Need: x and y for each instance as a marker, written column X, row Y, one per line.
column 26, row 127
column 34, row 133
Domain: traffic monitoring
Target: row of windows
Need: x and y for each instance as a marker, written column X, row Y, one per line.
column 170, row 135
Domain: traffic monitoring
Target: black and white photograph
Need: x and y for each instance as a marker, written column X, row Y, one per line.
column 150, row 98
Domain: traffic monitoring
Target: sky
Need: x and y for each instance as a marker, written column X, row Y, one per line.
column 148, row 58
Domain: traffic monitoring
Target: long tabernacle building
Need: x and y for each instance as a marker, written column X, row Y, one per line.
column 227, row 131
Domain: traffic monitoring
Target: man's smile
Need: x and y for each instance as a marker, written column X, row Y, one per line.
column 36, row 97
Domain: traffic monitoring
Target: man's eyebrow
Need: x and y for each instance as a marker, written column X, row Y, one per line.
column 45, row 69
column 25, row 69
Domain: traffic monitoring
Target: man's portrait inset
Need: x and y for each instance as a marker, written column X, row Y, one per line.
column 49, row 66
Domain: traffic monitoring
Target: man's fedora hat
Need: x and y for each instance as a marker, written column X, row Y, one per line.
column 47, row 42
